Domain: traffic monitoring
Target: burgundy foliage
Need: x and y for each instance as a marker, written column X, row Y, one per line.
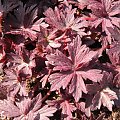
column 59, row 59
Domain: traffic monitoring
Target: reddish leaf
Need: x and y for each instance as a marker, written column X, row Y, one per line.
column 103, row 94
column 72, row 70
column 105, row 12
column 65, row 20
column 66, row 106
column 27, row 109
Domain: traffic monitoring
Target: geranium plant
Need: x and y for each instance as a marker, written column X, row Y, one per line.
column 59, row 59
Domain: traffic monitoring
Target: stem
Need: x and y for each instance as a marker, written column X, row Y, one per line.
column 46, row 96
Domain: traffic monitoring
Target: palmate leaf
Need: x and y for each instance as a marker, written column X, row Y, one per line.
column 13, row 83
column 26, row 108
column 47, row 38
column 24, row 22
column 66, row 107
column 103, row 95
column 8, row 109
column 115, row 33
column 77, row 86
column 23, row 61
column 73, row 70
column 65, row 20
column 105, row 12
column 82, row 3
column 82, row 106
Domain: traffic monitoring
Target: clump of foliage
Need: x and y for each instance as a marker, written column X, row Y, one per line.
column 59, row 59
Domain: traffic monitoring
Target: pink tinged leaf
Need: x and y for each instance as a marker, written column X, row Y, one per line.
column 10, row 78
column 12, row 92
column 96, row 22
column 88, row 57
column 78, row 26
column 37, row 101
column 106, row 101
column 75, row 47
column 32, row 116
column 66, row 106
column 77, row 86
column 115, row 21
column 14, row 84
column 59, row 80
column 88, row 111
column 106, row 4
column 2, row 53
column 59, row 60
column 63, row 20
column 115, row 9
column 76, row 51
column 106, row 23
column 28, row 33
column 53, row 18
column 54, row 44
column 94, row 75
column 37, row 24
column 46, row 112
column 74, row 24
column 44, row 80
column 81, row 83
column 9, row 109
column 82, row 3
column 76, row 92
column 70, row 16
column 81, row 32
column 26, row 70
column 80, row 54
column 24, row 106
column 67, row 109
column 82, row 107
column 107, row 98
column 22, row 89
